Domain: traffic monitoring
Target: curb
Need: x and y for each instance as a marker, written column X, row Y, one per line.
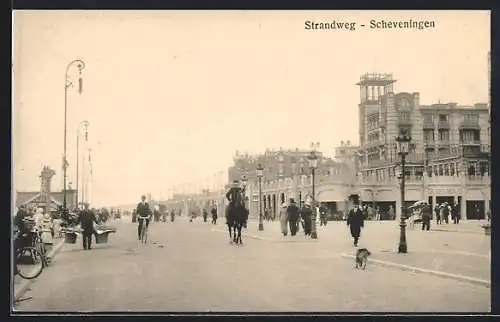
column 24, row 285
column 462, row 278
column 459, row 231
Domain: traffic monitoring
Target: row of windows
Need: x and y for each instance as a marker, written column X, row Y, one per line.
column 444, row 135
column 471, row 118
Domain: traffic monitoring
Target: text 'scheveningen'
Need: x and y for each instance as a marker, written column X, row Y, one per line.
column 373, row 24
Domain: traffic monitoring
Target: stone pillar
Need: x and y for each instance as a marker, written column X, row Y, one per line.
column 433, row 200
column 463, row 186
column 426, row 186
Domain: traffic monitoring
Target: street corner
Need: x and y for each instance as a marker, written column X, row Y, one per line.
column 444, row 265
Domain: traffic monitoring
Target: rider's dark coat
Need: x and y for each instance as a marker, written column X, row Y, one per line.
column 232, row 194
column 143, row 210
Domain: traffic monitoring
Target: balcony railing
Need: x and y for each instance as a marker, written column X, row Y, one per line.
column 444, row 124
column 428, row 124
column 443, row 142
column 416, row 179
column 472, row 125
column 470, row 142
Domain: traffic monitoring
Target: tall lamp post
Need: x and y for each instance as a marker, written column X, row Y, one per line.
column 86, row 125
column 313, row 163
column 403, row 144
column 80, row 64
column 260, row 174
column 244, row 182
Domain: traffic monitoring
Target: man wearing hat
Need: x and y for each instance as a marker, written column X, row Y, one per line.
column 355, row 221
column 426, row 216
column 307, row 214
column 234, row 193
column 293, row 215
column 144, row 214
column 87, row 219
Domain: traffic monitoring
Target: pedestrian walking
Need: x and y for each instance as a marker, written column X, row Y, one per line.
column 355, row 221
column 56, row 226
column 172, row 216
column 437, row 211
column 214, row 215
column 445, row 212
column 292, row 216
column 390, row 213
column 426, row 216
column 322, row 215
column 455, row 213
column 283, row 217
column 205, row 215
column 307, row 213
column 87, row 219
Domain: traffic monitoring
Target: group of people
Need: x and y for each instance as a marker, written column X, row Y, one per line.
column 292, row 217
column 50, row 225
column 213, row 212
column 444, row 211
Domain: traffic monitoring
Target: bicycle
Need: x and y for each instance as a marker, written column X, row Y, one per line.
column 35, row 255
column 144, row 230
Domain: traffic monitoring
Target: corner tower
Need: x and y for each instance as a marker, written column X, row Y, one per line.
column 373, row 87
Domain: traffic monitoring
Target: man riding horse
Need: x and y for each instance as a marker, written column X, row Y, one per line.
column 236, row 212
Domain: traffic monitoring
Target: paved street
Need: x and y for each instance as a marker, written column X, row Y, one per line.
column 192, row 267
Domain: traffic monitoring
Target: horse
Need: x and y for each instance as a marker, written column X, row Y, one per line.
column 236, row 216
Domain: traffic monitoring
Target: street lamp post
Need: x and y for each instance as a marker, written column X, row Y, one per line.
column 313, row 163
column 85, row 124
column 80, row 64
column 260, row 174
column 244, row 182
column 403, row 143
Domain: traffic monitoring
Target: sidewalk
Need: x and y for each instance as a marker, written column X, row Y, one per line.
column 21, row 285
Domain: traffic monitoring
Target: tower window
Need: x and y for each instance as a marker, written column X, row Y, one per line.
column 443, row 117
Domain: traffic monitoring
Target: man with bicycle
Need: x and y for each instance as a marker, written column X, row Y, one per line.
column 143, row 214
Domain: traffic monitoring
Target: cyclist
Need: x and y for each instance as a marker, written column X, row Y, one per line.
column 144, row 213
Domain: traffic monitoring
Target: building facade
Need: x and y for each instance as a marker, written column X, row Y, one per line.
column 449, row 157
column 46, row 199
column 448, row 160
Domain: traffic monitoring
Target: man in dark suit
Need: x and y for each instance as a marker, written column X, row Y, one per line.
column 214, row 215
column 86, row 219
column 355, row 221
column 293, row 216
column 143, row 214
column 426, row 217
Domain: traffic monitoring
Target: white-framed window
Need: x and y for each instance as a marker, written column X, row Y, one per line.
column 471, row 118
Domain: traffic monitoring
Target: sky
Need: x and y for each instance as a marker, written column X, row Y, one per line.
column 171, row 95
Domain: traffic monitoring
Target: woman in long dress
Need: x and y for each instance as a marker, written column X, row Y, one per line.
column 46, row 228
column 283, row 216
